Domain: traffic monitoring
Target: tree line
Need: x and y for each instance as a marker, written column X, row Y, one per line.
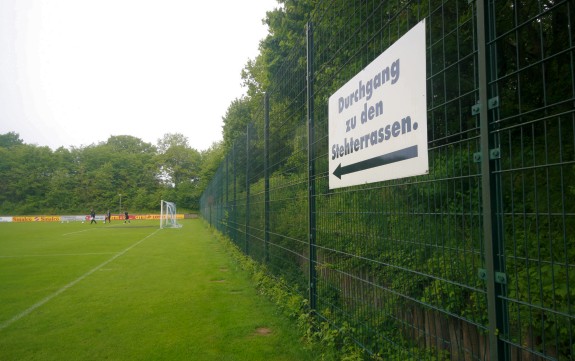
column 122, row 172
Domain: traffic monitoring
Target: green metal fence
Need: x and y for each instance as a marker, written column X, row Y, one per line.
column 473, row 261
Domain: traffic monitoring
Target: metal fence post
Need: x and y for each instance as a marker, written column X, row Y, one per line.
column 496, row 312
column 234, row 204
column 311, row 170
column 267, row 176
column 226, row 200
column 247, row 229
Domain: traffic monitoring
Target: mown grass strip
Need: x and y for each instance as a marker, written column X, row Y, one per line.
column 176, row 295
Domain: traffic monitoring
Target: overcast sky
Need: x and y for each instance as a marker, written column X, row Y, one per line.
column 75, row 72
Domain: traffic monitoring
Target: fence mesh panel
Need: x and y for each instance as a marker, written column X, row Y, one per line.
column 405, row 262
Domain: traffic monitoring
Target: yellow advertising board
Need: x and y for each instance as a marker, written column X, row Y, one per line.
column 36, row 219
column 68, row 218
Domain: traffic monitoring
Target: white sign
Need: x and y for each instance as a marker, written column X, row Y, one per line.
column 74, row 218
column 378, row 120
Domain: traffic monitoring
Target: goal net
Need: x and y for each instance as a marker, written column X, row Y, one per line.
column 168, row 215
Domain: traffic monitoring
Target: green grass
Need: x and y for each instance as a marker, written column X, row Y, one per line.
column 126, row 292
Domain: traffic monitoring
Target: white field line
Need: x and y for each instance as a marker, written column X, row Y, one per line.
column 57, row 255
column 61, row 290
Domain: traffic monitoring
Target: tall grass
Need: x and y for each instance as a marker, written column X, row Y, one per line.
column 132, row 292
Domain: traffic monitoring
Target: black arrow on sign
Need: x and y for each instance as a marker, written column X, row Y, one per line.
column 397, row 156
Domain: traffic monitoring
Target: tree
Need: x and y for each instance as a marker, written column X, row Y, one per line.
column 178, row 169
column 25, row 171
column 10, row 140
column 178, row 162
column 211, row 160
column 172, row 139
column 237, row 117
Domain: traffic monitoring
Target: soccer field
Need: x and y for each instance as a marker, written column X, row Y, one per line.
column 118, row 291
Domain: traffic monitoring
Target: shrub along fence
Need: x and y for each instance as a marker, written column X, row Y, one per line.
column 474, row 260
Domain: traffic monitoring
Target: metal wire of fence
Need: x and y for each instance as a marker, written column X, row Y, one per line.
column 473, row 261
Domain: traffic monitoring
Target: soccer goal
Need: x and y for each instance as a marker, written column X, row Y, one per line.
column 168, row 215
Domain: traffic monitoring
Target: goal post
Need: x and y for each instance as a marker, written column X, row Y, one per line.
column 168, row 215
